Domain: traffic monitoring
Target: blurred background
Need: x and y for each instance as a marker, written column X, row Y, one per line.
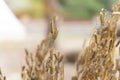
column 76, row 21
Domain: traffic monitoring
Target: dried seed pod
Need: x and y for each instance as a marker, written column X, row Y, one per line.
column 102, row 15
column 118, row 43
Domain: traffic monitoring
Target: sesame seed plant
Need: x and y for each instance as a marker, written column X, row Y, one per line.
column 97, row 62
column 47, row 63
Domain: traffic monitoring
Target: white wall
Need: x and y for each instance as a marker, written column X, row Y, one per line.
column 10, row 27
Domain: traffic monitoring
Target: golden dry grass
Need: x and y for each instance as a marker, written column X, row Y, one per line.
column 46, row 63
column 96, row 61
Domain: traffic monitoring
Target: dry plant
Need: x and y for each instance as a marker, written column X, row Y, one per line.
column 46, row 63
column 1, row 76
column 97, row 62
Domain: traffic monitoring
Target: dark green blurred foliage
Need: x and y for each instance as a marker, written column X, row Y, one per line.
column 71, row 9
column 83, row 9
